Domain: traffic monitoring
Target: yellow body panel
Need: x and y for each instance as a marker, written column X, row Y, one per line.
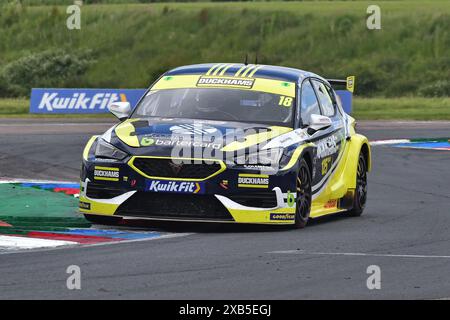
column 98, row 208
column 342, row 180
column 261, row 217
column 125, row 132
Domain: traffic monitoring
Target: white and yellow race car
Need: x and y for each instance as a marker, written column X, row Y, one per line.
column 231, row 143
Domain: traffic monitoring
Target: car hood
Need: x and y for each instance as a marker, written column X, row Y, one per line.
column 159, row 136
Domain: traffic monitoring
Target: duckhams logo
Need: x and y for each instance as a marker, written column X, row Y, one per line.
column 174, row 186
column 246, row 83
column 253, row 180
column 106, row 173
column 80, row 100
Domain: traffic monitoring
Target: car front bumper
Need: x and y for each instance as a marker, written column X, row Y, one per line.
column 141, row 188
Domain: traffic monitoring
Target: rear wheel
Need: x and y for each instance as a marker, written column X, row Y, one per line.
column 360, row 198
column 304, row 197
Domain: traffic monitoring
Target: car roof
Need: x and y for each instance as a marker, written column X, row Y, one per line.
column 232, row 69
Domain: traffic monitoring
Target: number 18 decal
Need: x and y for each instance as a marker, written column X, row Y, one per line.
column 285, row 101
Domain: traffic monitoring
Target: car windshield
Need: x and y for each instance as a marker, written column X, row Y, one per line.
column 217, row 104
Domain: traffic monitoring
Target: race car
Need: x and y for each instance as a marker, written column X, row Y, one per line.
column 231, row 143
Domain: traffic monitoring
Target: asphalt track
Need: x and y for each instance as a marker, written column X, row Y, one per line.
column 405, row 230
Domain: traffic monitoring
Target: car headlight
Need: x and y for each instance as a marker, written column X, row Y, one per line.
column 268, row 157
column 108, row 151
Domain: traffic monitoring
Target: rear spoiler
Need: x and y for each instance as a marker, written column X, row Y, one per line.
column 349, row 83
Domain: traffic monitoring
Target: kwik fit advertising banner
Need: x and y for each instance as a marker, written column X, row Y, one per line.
column 58, row 101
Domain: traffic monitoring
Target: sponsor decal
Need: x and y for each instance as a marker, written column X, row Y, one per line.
column 80, row 100
column 174, row 186
column 326, row 165
column 106, row 173
column 290, row 199
column 186, row 143
column 282, row 216
column 245, row 83
column 224, row 184
column 84, row 205
column 327, row 147
column 146, row 142
column 253, row 180
column 330, row 204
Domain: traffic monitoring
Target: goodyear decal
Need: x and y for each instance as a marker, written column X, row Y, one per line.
column 220, row 82
column 106, row 173
column 282, row 216
column 253, row 181
column 174, row 186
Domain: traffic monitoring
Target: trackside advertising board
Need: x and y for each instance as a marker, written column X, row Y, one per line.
column 346, row 99
column 79, row 101
column 85, row 101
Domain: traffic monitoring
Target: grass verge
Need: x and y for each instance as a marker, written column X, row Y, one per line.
column 406, row 108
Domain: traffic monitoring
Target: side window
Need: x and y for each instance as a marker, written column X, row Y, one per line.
column 325, row 99
column 309, row 104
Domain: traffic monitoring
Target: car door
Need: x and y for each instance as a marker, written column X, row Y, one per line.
column 329, row 141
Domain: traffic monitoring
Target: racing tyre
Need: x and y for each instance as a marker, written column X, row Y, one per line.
column 359, row 201
column 304, row 197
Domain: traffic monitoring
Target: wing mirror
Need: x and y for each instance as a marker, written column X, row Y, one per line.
column 318, row 122
column 121, row 110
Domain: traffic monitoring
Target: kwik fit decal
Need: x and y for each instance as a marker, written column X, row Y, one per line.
column 80, row 100
column 174, row 186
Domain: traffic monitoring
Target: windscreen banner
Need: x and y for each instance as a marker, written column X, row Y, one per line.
column 80, row 101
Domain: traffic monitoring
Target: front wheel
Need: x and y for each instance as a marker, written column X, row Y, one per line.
column 304, row 197
column 360, row 198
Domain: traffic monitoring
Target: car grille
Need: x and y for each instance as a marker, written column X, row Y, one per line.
column 255, row 199
column 166, row 168
column 175, row 206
